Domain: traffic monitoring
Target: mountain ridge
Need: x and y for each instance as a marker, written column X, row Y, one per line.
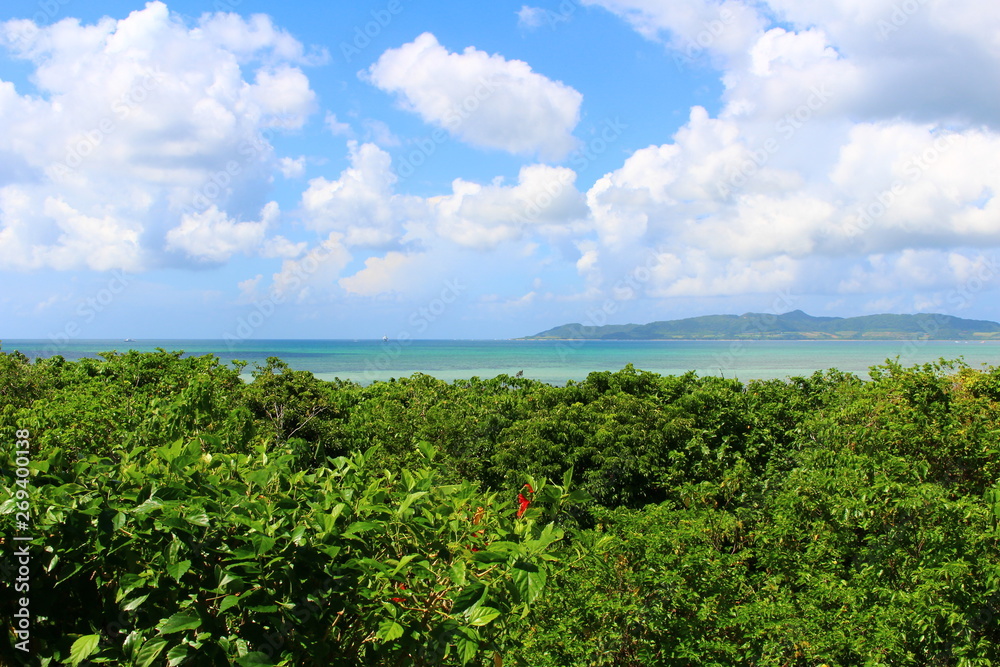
column 793, row 325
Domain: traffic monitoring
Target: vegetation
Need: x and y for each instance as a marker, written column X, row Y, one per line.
column 794, row 325
column 182, row 516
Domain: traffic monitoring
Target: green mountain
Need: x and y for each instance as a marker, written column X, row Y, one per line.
column 795, row 325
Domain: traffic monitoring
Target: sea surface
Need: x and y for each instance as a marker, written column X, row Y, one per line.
column 553, row 362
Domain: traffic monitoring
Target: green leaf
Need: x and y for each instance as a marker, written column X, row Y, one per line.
column 529, row 581
column 177, row 570
column 389, row 630
column 177, row 655
column 180, row 621
column 470, row 598
column 402, row 563
column 458, row 575
column 83, row 647
column 150, row 651
column 255, row 659
column 467, row 645
column 132, row 644
column 359, row 526
column 134, row 602
column 409, row 501
column 427, row 449
column 482, row 615
column 229, row 601
column 198, row 519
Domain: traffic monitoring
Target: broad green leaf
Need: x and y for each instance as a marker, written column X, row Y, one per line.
column 529, row 581
column 134, row 602
column 229, row 601
column 177, row 570
column 402, row 563
column 427, row 449
column 409, row 501
column 132, row 644
column 470, row 598
column 83, row 648
column 177, row 655
column 359, row 526
column 467, row 645
column 458, row 575
column 150, row 651
column 182, row 620
column 482, row 615
column 389, row 630
column 198, row 519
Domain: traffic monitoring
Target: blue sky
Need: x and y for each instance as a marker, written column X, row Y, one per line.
column 240, row 169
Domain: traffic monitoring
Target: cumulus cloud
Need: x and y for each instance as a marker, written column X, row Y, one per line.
column 828, row 168
column 382, row 275
column 169, row 129
column 311, row 275
column 484, row 216
column 486, row 101
column 292, row 167
column 362, row 203
column 213, row 237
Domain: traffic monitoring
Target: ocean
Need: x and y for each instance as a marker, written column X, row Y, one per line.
column 553, row 362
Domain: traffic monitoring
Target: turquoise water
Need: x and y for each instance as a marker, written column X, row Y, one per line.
column 553, row 362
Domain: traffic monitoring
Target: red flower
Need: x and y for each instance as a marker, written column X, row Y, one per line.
column 522, row 501
column 400, row 600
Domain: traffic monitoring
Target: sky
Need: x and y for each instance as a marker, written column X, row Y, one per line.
column 241, row 170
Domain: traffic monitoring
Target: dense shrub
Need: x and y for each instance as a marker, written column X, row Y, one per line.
column 182, row 516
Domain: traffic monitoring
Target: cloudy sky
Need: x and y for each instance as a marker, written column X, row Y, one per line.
column 487, row 170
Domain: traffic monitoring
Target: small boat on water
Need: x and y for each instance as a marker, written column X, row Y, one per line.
column 385, row 339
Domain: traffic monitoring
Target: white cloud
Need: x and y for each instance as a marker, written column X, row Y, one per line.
column 279, row 246
column 314, row 274
column 337, row 128
column 382, row 275
column 531, row 17
column 379, row 133
column 292, row 168
column 484, row 216
column 693, row 28
column 211, row 236
column 486, row 101
column 829, row 168
column 138, row 126
column 361, row 203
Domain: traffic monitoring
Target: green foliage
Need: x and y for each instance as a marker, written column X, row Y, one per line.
column 183, row 516
column 183, row 550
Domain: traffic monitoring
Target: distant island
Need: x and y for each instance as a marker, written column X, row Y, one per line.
column 795, row 325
